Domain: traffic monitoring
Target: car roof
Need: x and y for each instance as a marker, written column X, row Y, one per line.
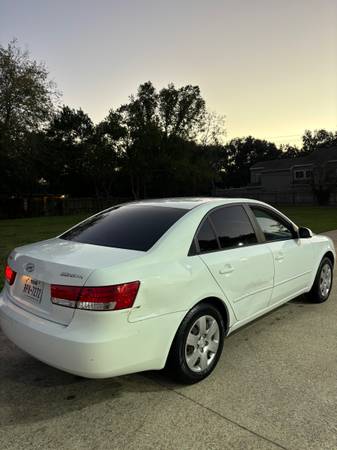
column 192, row 202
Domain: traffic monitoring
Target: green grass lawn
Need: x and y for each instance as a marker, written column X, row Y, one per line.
column 14, row 233
column 317, row 218
column 23, row 231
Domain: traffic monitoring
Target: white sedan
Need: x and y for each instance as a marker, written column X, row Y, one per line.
column 158, row 283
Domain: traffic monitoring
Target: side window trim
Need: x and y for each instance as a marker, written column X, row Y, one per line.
column 261, row 239
column 214, row 231
column 277, row 216
column 251, row 218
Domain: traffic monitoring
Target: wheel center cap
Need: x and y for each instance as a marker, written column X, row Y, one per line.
column 202, row 343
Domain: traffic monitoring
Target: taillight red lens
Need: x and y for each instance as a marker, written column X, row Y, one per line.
column 102, row 298
column 64, row 295
column 120, row 296
column 10, row 275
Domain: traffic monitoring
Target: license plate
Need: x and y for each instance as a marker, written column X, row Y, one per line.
column 32, row 289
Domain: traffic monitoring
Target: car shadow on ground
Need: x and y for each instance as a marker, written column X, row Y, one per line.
column 31, row 391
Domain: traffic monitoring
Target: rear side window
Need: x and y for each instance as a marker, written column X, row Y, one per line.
column 206, row 238
column 134, row 227
column 233, row 227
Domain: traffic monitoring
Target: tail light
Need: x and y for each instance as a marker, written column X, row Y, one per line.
column 102, row 298
column 9, row 275
column 65, row 295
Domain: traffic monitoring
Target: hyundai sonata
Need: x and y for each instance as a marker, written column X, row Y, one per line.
column 158, row 283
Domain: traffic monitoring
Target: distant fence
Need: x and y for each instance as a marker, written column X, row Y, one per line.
column 58, row 205
column 293, row 197
column 89, row 204
column 54, row 206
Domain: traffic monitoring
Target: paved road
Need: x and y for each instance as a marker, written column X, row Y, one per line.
column 275, row 387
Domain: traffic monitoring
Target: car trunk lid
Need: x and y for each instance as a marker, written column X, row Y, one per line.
column 57, row 261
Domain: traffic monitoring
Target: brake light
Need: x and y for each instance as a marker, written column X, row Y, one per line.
column 120, row 296
column 64, row 295
column 102, row 298
column 10, row 275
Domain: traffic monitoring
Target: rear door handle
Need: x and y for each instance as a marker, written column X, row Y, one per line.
column 228, row 268
column 279, row 257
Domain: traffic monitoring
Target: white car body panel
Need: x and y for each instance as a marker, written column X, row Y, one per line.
column 248, row 293
column 293, row 260
column 57, row 261
column 248, row 281
column 94, row 345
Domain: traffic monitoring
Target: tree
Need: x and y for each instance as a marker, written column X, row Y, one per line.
column 104, row 156
column 313, row 140
column 323, row 181
column 142, row 137
column 213, row 130
column 26, row 103
column 65, row 151
column 70, row 126
column 157, row 125
column 26, row 93
column 290, row 151
column 181, row 111
column 242, row 153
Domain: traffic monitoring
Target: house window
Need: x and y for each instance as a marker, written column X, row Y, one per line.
column 299, row 174
column 256, row 178
column 303, row 174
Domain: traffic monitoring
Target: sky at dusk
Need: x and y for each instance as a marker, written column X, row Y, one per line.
column 270, row 66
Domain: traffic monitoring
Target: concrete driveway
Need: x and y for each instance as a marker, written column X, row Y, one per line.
column 274, row 387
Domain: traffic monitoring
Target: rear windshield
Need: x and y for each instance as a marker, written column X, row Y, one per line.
column 134, row 227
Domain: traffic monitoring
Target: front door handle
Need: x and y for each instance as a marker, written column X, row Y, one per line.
column 228, row 268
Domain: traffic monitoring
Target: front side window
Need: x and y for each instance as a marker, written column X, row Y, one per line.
column 233, row 227
column 273, row 227
column 134, row 227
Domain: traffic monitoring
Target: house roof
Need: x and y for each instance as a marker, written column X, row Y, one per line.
column 322, row 154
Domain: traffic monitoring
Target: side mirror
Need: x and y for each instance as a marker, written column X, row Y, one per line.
column 304, row 233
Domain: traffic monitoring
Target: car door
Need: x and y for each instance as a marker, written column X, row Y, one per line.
column 244, row 270
column 293, row 257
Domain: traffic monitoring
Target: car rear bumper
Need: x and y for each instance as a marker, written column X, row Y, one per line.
column 94, row 344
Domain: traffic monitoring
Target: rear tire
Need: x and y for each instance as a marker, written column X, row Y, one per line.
column 321, row 288
column 197, row 345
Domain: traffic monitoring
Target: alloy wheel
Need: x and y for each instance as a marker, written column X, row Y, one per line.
column 325, row 280
column 202, row 343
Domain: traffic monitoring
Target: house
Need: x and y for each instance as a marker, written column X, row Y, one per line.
column 305, row 179
column 316, row 170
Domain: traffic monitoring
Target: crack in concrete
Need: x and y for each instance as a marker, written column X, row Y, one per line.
column 223, row 417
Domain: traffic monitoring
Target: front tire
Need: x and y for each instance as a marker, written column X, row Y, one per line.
column 197, row 345
column 321, row 288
